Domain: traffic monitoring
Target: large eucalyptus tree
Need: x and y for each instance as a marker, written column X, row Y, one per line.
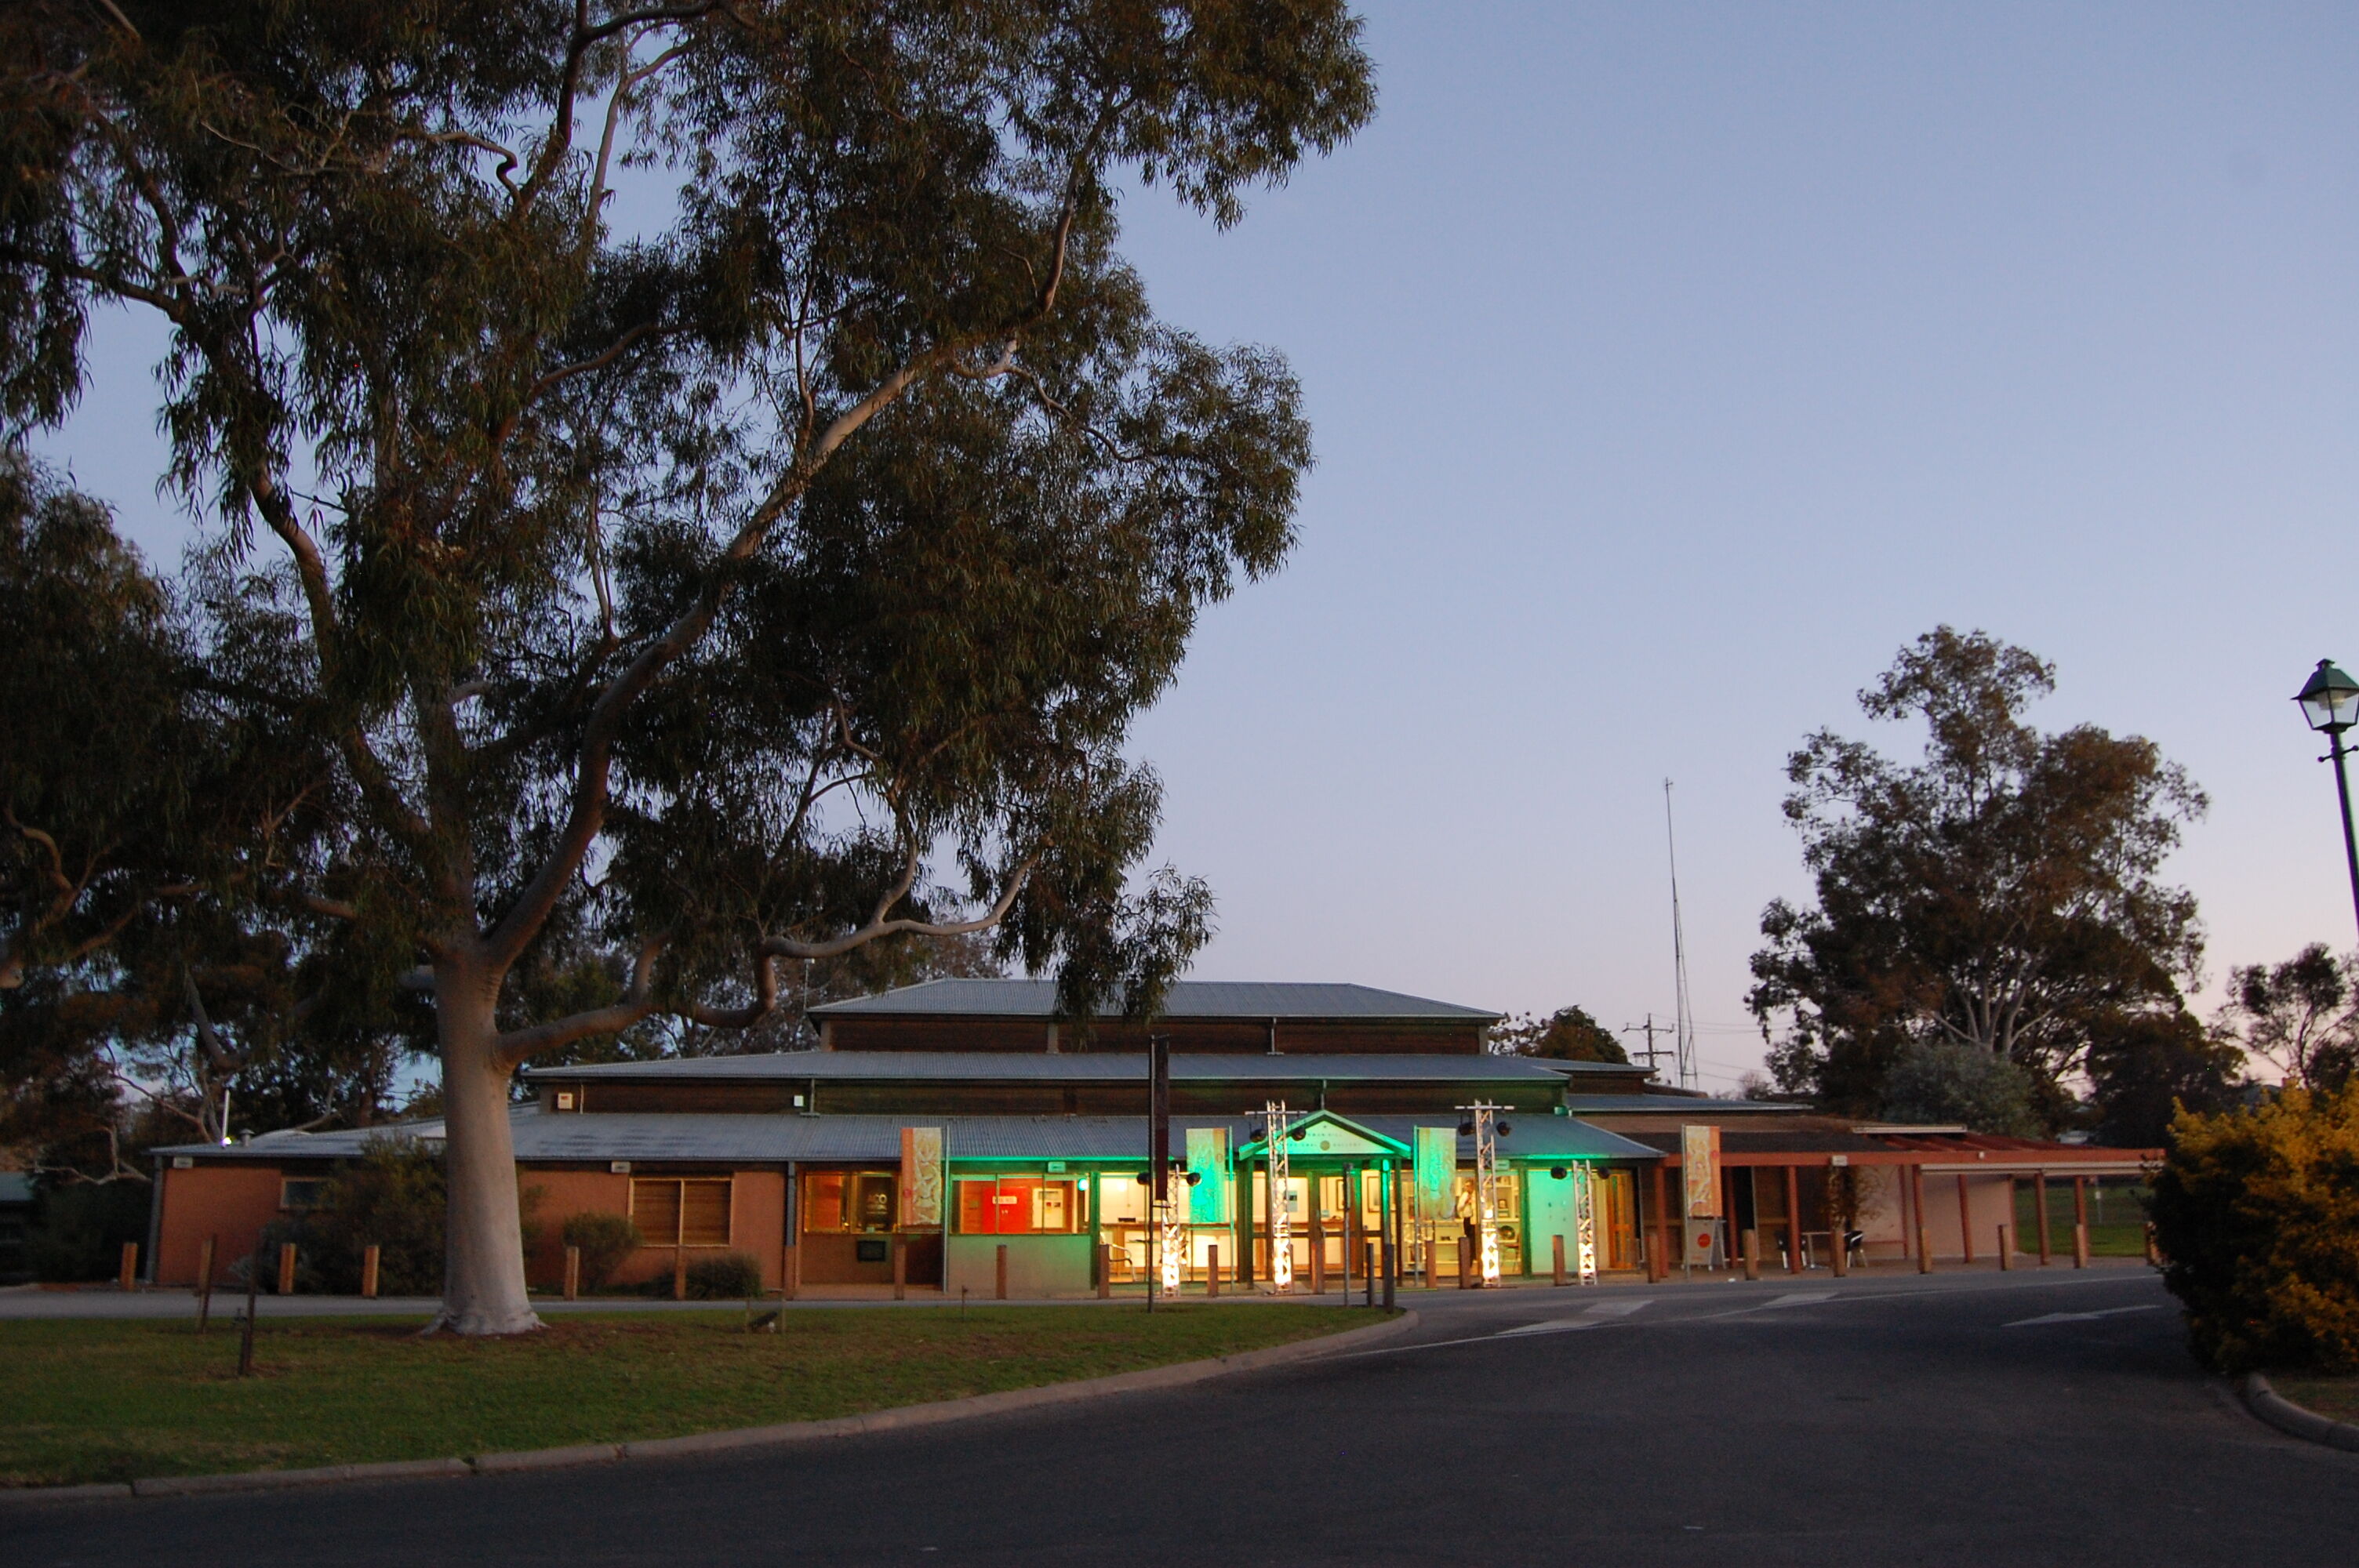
column 691, row 467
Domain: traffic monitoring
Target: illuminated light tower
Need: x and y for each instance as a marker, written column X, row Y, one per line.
column 1483, row 1126
column 2330, row 700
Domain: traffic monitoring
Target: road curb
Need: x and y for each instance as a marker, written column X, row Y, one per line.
column 2291, row 1419
column 899, row 1419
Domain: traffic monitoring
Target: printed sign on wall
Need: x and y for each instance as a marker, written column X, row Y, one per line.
column 921, row 1177
column 1208, row 1162
column 1699, row 1169
column 1436, row 1165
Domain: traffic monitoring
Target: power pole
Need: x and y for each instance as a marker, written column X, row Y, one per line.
column 1648, row 1029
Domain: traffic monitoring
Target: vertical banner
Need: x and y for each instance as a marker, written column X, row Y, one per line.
column 1584, row 1224
column 1699, row 1169
column 1436, row 1170
column 921, row 1177
column 1208, row 1162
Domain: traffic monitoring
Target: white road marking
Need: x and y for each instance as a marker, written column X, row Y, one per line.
column 2080, row 1317
column 1799, row 1298
column 1554, row 1326
column 1619, row 1308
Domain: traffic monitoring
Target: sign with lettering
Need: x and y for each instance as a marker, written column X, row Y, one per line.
column 1699, row 1169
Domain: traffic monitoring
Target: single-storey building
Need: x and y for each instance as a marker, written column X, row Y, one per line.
column 948, row 1131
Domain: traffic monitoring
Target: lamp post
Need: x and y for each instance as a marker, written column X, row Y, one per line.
column 2330, row 700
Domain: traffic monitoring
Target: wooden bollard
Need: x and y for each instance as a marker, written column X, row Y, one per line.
column 2080, row 1246
column 1840, row 1245
column 1369, row 1273
column 901, row 1270
column 1752, row 1254
column 245, row 1338
column 1212, row 1270
column 205, row 1281
column 999, row 1290
column 371, row 1255
column 2153, row 1248
column 287, row 1268
column 129, row 1278
column 2005, row 1246
column 1105, row 1270
column 572, row 1273
column 1559, row 1241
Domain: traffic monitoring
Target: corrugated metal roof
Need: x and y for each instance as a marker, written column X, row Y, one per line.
column 681, row 1137
column 1674, row 1105
column 902, row 1067
column 1186, row 999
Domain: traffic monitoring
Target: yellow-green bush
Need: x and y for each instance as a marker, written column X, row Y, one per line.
column 2257, row 1212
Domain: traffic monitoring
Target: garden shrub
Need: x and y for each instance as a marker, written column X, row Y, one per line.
column 605, row 1240
column 2256, row 1214
column 392, row 1196
column 731, row 1277
column 78, row 1229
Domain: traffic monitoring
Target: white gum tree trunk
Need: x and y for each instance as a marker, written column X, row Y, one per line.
column 482, row 1271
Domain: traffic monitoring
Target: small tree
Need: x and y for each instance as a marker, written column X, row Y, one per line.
column 2256, row 1214
column 1946, row 1081
column 604, row 1240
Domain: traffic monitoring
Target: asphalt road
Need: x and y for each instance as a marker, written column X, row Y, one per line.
column 2007, row 1419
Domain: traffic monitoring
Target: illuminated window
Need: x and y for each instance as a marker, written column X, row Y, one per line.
column 850, row 1200
column 1022, row 1205
column 684, row 1211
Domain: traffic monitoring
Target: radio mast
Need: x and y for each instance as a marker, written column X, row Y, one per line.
column 1683, row 1037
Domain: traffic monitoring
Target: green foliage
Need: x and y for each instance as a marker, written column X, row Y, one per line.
column 2256, row 1214
column 1943, row 1082
column 2144, row 1069
column 605, row 1240
column 2302, row 1015
column 1568, row 1035
column 622, row 614
column 733, row 1276
column 78, row 1229
column 2003, row 893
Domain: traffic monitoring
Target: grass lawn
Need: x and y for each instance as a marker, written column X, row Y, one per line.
column 2116, row 1217
column 2336, row 1396
column 114, row 1401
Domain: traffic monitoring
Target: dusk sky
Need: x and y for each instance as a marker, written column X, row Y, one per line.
column 1672, row 367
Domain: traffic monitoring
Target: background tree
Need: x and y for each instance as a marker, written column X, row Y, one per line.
column 1568, row 1035
column 1941, row 1082
column 2301, row 1016
column 2144, row 1069
column 772, row 579
column 2000, row 894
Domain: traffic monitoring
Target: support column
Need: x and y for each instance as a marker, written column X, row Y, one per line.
column 1659, row 1256
column 1312, row 1183
column 2040, row 1201
column 1965, row 1220
column 1242, row 1221
column 2080, row 1222
column 1793, row 1221
column 1924, row 1242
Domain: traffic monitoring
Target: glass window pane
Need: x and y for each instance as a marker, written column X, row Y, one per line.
column 823, row 1201
column 873, row 1194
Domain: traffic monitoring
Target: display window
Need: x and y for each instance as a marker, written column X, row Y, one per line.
column 850, row 1200
column 1022, row 1205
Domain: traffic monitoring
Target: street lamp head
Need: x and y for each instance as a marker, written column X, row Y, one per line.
column 2330, row 699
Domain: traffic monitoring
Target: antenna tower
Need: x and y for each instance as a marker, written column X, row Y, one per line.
column 1683, row 1039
